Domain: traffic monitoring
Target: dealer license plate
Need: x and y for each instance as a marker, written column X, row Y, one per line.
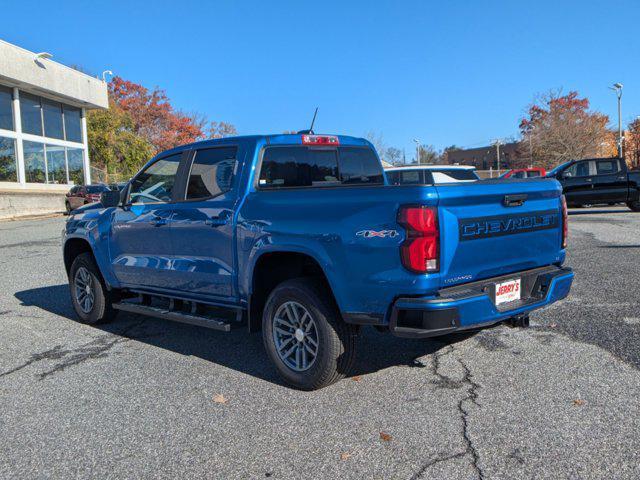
column 508, row 291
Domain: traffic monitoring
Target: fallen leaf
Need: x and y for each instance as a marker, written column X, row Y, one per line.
column 385, row 437
column 578, row 402
column 356, row 378
column 345, row 455
column 219, row 398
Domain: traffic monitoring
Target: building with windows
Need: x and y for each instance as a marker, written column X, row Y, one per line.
column 484, row 158
column 43, row 131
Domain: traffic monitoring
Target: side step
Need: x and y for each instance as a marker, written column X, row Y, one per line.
column 173, row 315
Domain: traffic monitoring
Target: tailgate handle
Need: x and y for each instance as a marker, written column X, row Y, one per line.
column 514, row 200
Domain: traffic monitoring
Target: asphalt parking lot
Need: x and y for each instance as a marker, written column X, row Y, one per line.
column 137, row 398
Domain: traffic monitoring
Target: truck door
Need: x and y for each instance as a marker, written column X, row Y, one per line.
column 577, row 182
column 140, row 243
column 610, row 183
column 202, row 224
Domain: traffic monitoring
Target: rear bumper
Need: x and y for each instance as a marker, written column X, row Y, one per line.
column 472, row 306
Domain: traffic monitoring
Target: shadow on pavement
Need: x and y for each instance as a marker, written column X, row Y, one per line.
column 237, row 349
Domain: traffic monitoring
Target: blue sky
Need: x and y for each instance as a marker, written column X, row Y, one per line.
column 453, row 72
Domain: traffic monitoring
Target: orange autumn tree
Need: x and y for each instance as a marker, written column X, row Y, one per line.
column 156, row 120
column 559, row 128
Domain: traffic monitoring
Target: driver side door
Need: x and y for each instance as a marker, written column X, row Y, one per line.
column 140, row 243
column 577, row 182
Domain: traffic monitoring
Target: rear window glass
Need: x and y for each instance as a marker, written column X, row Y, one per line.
column 211, row 172
column 359, row 166
column 319, row 167
column 406, row 177
column 534, row 173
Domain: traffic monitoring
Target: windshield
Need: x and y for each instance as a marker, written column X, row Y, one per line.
column 450, row 175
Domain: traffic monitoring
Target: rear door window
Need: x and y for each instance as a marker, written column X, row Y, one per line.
column 211, row 173
column 606, row 167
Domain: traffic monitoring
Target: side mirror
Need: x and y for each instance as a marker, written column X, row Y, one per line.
column 110, row 198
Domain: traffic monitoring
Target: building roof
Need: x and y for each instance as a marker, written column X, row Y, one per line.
column 21, row 68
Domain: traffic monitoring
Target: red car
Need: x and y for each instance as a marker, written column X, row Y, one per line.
column 524, row 173
column 82, row 194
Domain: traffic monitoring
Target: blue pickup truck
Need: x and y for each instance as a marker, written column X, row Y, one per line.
column 301, row 236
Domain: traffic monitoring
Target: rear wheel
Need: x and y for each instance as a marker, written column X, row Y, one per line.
column 89, row 295
column 635, row 206
column 305, row 336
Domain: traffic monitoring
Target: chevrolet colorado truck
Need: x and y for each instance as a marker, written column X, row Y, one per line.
column 301, row 236
column 599, row 181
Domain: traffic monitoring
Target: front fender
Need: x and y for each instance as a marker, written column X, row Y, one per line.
column 93, row 226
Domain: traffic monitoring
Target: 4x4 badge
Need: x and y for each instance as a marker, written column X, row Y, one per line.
column 377, row 233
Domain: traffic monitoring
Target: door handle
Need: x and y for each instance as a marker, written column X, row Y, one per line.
column 216, row 221
column 588, row 180
column 158, row 221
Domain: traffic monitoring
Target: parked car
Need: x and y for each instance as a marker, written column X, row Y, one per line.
column 300, row 236
column 599, row 181
column 524, row 173
column 430, row 174
column 82, row 194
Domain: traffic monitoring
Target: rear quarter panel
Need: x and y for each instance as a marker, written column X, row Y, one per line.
column 365, row 272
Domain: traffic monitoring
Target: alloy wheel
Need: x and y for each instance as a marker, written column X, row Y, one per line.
column 84, row 289
column 295, row 335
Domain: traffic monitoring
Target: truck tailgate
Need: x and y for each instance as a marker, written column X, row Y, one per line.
column 495, row 227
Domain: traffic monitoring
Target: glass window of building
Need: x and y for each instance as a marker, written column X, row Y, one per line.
column 72, row 124
column 76, row 165
column 52, row 116
column 56, row 165
column 6, row 108
column 35, row 168
column 8, row 160
column 31, row 114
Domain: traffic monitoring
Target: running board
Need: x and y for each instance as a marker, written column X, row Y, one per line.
column 175, row 316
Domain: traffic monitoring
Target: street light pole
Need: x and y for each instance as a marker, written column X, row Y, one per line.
column 498, row 155
column 617, row 87
column 417, row 150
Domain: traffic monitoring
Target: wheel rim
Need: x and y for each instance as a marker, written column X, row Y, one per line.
column 83, row 283
column 295, row 336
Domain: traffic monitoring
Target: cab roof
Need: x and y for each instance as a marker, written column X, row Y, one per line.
column 270, row 139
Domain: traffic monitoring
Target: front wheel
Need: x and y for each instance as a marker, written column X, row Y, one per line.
column 635, row 206
column 305, row 336
column 89, row 295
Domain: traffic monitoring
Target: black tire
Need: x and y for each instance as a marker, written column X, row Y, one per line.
column 67, row 207
column 101, row 310
column 635, row 206
column 336, row 339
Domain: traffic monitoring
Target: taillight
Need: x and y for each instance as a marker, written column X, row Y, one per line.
column 565, row 222
column 420, row 250
column 320, row 140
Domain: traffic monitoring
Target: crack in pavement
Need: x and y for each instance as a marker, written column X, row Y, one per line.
column 471, row 397
column 96, row 348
